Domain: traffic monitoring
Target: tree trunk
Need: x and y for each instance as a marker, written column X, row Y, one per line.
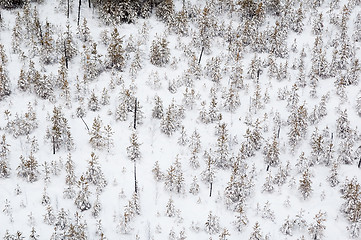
column 68, row 13
column 65, row 55
column 86, row 125
column 135, row 177
column 210, row 189
column 79, row 12
column 359, row 163
column 53, row 145
column 200, row 57
column 135, row 114
column 89, row 4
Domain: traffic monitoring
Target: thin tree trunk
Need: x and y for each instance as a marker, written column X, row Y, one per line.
column 86, row 125
column 278, row 133
column 68, row 13
column 359, row 163
column 135, row 177
column 89, row 4
column 210, row 189
column 200, row 57
column 53, row 145
column 79, row 12
column 65, row 55
column 135, row 114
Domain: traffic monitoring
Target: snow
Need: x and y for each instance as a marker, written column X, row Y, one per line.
column 156, row 146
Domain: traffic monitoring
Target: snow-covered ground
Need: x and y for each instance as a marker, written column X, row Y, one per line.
column 270, row 209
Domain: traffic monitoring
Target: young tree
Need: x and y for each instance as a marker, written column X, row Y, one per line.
column 59, row 131
column 316, row 230
column 159, row 52
column 94, row 174
column 28, row 169
column 133, row 151
column 212, row 224
column 115, row 57
column 96, row 134
column 208, row 175
column 4, row 154
column 82, row 198
column 256, row 234
column 271, row 152
column 305, row 185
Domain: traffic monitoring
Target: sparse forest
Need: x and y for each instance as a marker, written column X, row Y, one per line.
column 180, row 119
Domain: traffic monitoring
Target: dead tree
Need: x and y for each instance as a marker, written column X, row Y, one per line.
column 79, row 12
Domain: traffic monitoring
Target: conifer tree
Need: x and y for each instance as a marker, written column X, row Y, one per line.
column 4, row 78
column 305, row 185
column 316, row 230
column 48, row 45
column 157, row 174
column 222, row 159
column 241, row 220
column 208, row 175
column 92, row 62
column 59, row 131
column 298, row 125
column 194, row 189
column 28, row 169
column 96, row 134
column 94, row 174
column 4, row 154
column 165, row 11
column 212, row 224
column 133, row 151
column 157, row 111
column 271, row 152
column 159, row 51
column 70, row 179
column 170, row 208
column 82, row 198
column 343, row 129
column 115, row 57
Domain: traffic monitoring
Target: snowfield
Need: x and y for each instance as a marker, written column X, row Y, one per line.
column 277, row 155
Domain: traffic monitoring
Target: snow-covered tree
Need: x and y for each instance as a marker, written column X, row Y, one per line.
column 212, row 224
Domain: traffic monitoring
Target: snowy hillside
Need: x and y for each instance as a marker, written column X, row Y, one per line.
column 237, row 118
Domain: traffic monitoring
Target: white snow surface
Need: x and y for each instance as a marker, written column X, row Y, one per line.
column 156, row 146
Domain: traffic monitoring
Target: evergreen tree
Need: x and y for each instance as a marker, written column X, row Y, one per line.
column 271, row 152
column 82, row 198
column 59, row 131
column 194, row 189
column 4, row 78
column 28, row 169
column 165, row 11
column 70, row 179
column 212, row 224
column 170, row 208
column 159, row 52
column 222, row 159
column 298, row 125
column 96, row 134
column 93, row 103
column 94, row 173
column 343, row 129
column 316, row 230
column 157, row 174
column 256, row 234
column 305, row 185
column 208, row 175
column 4, row 154
column 116, row 58
column 48, row 45
column 92, row 63
column 133, row 151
